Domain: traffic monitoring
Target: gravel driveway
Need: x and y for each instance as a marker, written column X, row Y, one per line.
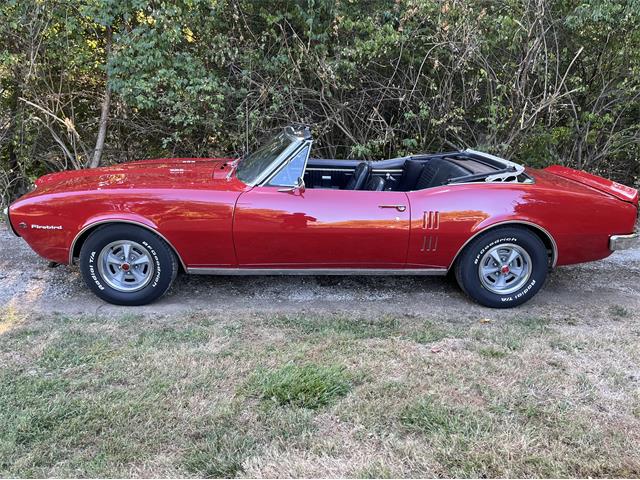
column 26, row 283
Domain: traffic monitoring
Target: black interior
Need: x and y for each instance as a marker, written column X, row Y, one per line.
column 375, row 183
column 360, row 177
column 437, row 172
column 398, row 174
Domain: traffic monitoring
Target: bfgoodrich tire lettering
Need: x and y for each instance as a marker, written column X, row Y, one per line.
column 530, row 262
column 156, row 258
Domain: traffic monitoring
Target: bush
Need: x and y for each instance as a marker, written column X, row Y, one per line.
column 540, row 82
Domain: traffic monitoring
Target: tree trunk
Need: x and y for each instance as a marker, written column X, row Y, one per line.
column 104, row 113
column 13, row 122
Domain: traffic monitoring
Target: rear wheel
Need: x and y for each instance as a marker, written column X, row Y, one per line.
column 503, row 268
column 127, row 265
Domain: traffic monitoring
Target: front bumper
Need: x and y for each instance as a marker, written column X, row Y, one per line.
column 624, row 242
column 5, row 216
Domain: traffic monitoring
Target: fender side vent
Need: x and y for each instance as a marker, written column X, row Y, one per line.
column 429, row 243
column 431, row 220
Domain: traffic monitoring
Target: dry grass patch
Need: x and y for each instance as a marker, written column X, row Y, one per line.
column 314, row 395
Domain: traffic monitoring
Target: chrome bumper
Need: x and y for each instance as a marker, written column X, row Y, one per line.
column 624, row 242
column 5, row 217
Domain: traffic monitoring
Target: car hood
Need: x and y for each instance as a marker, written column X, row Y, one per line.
column 157, row 173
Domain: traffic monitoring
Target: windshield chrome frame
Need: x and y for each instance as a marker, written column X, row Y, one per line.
column 296, row 142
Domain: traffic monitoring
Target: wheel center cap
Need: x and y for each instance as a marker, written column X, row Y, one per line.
column 505, row 269
column 125, row 267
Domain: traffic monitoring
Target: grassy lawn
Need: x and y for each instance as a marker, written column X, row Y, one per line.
column 304, row 395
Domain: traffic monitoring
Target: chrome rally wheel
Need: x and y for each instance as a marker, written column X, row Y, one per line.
column 504, row 269
column 125, row 265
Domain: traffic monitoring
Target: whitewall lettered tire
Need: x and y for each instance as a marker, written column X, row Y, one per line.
column 503, row 268
column 127, row 265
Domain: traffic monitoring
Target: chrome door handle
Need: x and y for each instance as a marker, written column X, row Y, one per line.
column 400, row 208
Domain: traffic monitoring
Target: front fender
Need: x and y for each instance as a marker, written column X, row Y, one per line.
column 113, row 217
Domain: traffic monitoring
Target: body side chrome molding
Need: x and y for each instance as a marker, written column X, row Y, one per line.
column 317, row 271
column 528, row 181
column 131, row 222
column 554, row 246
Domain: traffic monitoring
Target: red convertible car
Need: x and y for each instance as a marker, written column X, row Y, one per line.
column 498, row 226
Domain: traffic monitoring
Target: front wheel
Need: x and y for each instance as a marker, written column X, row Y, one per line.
column 503, row 268
column 127, row 265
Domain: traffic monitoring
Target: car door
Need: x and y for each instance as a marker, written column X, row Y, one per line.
column 318, row 228
column 278, row 225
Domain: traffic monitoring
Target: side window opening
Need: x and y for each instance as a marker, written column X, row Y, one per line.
column 291, row 171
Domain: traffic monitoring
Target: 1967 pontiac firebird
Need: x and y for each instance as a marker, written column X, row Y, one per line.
column 498, row 226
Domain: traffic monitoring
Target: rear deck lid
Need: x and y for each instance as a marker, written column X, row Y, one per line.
column 615, row 189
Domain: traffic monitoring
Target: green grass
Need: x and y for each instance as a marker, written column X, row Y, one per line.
column 429, row 333
column 305, row 386
column 200, row 395
column 220, row 454
column 492, row 352
column 173, row 336
column 363, row 327
column 375, row 470
column 75, row 349
column 431, row 416
column 337, row 325
column 568, row 345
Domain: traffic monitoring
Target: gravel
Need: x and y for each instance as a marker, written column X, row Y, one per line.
column 28, row 284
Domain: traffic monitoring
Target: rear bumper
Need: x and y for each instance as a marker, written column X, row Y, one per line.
column 5, row 216
column 624, row 242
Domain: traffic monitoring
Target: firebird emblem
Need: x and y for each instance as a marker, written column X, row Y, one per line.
column 46, row 227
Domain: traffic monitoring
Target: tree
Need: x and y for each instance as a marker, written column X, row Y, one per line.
column 538, row 81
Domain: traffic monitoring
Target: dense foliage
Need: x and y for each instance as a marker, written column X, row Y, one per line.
column 540, row 81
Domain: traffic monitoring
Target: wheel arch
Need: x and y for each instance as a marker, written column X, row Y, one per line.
column 541, row 232
column 83, row 234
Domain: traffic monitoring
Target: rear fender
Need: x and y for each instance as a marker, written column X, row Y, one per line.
column 489, row 224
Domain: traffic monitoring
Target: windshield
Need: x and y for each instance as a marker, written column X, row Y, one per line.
column 251, row 167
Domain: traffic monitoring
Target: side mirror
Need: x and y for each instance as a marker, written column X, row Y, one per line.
column 300, row 187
